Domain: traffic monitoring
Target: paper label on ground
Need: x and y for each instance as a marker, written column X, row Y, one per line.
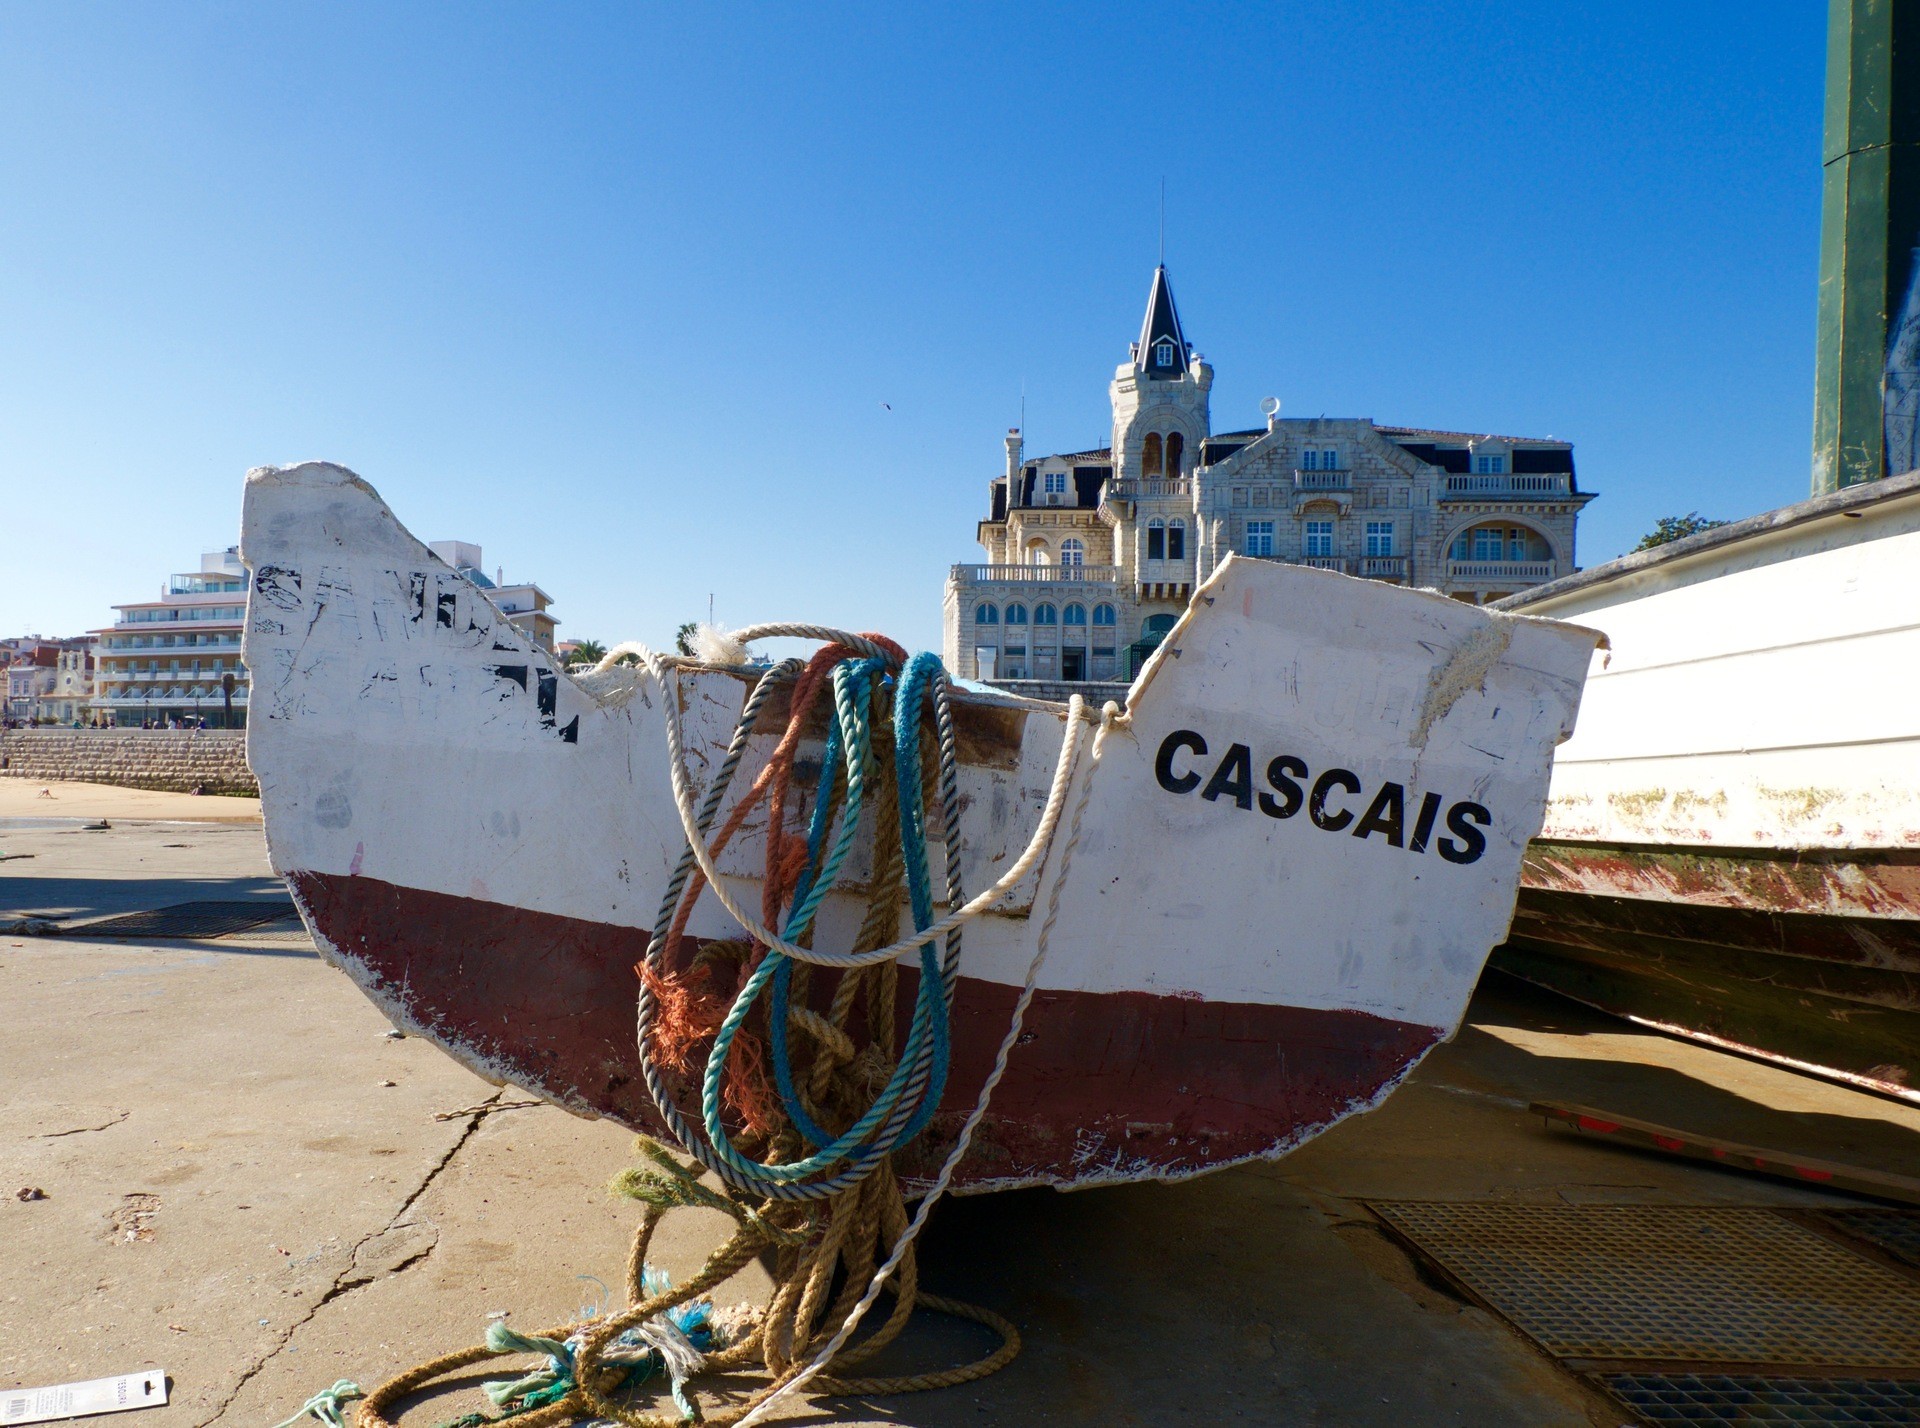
column 146, row 1389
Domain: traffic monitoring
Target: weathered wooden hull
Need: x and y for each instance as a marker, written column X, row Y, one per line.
column 1297, row 850
column 1732, row 846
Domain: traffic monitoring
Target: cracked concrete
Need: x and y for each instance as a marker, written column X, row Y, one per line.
column 309, row 1218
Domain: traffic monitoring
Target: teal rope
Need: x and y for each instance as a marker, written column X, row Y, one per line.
column 325, row 1405
column 927, row 1053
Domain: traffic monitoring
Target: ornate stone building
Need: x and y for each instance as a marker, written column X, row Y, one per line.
column 1092, row 555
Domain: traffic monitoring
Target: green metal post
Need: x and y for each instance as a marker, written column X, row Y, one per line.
column 1869, row 226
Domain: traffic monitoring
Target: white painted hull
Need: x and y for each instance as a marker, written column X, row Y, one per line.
column 1732, row 844
column 481, row 841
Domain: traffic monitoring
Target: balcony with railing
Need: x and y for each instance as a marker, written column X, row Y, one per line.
column 1384, row 567
column 1502, row 572
column 1144, row 488
column 1036, row 574
column 1478, row 485
column 1317, row 562
column 1322, row 480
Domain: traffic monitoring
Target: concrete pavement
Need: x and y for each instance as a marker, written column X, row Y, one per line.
column 246, row 1184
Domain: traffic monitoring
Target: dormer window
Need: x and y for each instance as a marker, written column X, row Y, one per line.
column 1163, row 352
column 1489, row 465
column 1054, row 483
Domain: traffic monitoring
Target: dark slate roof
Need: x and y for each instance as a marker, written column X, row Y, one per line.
column 1162, row 321
column 1105, row 453
column 1448, row 450
column 997, row 496
column 1087, row 481
column 1427, row 433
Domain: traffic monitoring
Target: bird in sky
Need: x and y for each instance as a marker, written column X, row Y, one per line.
column 887, row 405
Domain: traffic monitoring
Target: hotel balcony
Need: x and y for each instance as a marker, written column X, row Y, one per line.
column 1323, row 480
column 1503, row 572
column 1384, row 567
column 1148, row 488
column 1506, row 483
column 1036, row 574
column 155, row 696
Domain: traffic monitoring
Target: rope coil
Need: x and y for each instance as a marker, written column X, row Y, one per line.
column 805, row 1161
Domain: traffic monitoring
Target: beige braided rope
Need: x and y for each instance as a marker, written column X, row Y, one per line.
column 816, row 1241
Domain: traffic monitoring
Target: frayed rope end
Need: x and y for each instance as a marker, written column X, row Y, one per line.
column 713, row 645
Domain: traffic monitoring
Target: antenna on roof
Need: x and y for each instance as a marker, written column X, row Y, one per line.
column 1163, row 220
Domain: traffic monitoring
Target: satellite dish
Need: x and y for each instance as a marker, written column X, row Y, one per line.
column 1270, row 407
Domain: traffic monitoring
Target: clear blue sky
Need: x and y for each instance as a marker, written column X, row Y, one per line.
column 618, row 291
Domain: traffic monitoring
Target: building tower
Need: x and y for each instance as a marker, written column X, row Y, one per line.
column 1159, row 396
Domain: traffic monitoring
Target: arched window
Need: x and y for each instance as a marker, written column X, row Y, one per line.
column 1176, row 451
column 1156, row 626
column 1045, row 614
column 1150, row 455
column 1176, row 538
column 1016, row 614
column 1073, row 551
column 1074, row 614
column 1156, row 539
column 1495, row 542
column 1103, row 614
column 986, row 615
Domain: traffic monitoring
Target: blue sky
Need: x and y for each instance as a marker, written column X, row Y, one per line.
column 618, row 291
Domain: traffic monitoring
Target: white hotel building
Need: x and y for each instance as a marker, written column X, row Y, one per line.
column 173, row 658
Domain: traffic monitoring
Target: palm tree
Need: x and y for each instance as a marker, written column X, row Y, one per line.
column 683, row 638
column 588, row 652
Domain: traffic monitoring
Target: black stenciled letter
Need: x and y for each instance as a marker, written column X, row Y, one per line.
column 1386, row 814
column 1423, row 826
column 1291, row 794
column 1461, row 819
column 1317, row 802
column 1234, row 776
column 1163, row 765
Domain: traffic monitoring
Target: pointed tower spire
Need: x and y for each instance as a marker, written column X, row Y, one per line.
column 1162, row 349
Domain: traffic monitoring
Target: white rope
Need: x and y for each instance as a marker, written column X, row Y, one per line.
column 1110, row 715
column 1036, row 848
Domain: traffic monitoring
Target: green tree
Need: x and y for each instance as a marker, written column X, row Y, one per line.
column 683, row 638
column 1672, row 528
column 589, row 652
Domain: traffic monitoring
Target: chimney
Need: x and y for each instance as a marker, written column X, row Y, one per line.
column 1015, row 445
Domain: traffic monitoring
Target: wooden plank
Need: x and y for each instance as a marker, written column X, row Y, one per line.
column 1759, row 1160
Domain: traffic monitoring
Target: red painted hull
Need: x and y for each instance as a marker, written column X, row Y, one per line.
column 1809, row 958
column 1121, row 1085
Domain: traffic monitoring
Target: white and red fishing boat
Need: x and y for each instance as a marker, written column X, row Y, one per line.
column 1732, row 847
column 1298, row 846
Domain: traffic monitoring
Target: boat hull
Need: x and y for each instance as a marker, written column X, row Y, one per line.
column 1108, row 1085
column 1298, row 846
column 1732, row 845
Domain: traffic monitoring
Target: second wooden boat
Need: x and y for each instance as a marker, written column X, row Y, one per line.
column 1732, row 846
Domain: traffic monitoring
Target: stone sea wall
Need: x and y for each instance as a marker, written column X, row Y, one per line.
column 1095, row 692
column 176, row 760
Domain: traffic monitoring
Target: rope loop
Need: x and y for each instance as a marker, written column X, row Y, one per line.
column 804, row 1162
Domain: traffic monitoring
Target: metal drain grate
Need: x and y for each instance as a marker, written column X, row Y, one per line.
column 1609, row 1286
column 187, row 920
column 1742, row 1401
column 1895, row 1231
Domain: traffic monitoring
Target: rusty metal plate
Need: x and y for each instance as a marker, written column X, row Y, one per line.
column 1895, row 1231
column 1750, row 1401
column 1610, row 1286
column 187, row 921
